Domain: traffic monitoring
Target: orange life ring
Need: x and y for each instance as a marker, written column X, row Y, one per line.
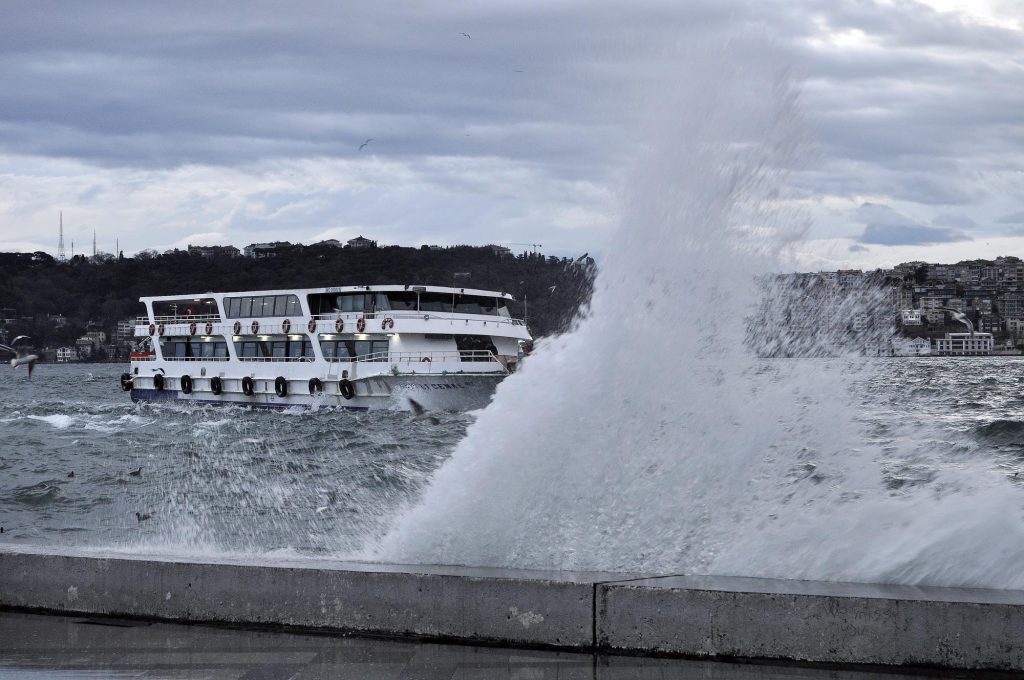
column 161, row 329
column 311, row 326
column 387, row 323
column 152, row 328
column 237, row 328
column 361, row 325
column 339, row 326
column 192, row 328
column 254, row 327
column 209, row 328
column 286, row 326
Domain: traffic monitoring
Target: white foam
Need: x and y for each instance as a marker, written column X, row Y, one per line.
column 57, row 420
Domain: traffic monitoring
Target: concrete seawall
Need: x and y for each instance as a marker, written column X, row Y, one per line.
column 683, row 615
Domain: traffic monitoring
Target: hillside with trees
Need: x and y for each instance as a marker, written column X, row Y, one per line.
column 56, row 302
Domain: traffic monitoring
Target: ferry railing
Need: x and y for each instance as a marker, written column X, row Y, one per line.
column 197, row 358
column 420, row 316
column 178, row 318
column 277, row 359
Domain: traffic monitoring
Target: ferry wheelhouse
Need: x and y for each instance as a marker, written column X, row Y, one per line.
column 356, row 347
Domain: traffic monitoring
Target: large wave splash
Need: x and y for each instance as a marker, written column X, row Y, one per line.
column 652, row 438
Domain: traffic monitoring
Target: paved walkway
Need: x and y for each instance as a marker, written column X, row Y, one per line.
column 64, row 647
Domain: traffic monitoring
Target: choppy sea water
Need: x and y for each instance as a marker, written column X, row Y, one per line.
column 212, row 479
column 218, row 480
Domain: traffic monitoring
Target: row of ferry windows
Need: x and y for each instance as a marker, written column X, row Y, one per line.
column 407, row 301
column 296, row 350
column 261, row 306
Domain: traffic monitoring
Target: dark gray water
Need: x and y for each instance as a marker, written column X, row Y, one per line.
column 213, row 479
column 229, row 480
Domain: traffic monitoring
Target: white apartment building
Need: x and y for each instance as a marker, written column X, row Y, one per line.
column 963, row 344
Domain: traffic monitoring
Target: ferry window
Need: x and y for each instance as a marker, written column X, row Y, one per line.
column 502, row 307
column 248, row 349
column 281, row 305
column 233, row 305
column 245, row 306
column 278, row 349
column 298, row 349
column 220, row 350
column 467, row 304
column 473, row 347
column 293, row 307
column 206, row 350
column 401, row 301
column 355, row 302
column 435, row 302
column 362, row 347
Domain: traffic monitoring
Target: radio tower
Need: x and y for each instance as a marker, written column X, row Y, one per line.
column 60, row 242
column 93, row 245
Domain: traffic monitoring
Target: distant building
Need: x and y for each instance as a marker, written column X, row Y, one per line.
column 258, row 250
column 963, row 344
column 210, row 252
column 96, row 337
column 332, row 242
column 66, row 354
column 990, row 323
column 910, row 317
column 500, row 251
column 124, row 331
column 361, row 243
column 84, row 348
column 911, row 347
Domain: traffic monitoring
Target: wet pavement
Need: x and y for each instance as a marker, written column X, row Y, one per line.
column 65, row 647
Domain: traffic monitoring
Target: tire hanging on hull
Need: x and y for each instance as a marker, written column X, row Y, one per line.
column 346, row 388
column 216, row 386
column 281, row 386
column 248, row 389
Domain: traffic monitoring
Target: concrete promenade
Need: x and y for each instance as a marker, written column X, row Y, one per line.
column 696, row 616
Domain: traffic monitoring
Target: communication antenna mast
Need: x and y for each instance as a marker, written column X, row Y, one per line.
column 60, row 242
column 93, row 245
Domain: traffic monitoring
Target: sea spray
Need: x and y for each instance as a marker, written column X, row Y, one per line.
column 655, row 438
column 628, row 443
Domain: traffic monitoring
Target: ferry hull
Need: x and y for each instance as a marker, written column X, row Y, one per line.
column 433, row 392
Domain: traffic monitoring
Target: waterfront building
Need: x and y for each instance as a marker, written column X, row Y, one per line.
column 911, row 347
column 963, row 344
column 66, row 354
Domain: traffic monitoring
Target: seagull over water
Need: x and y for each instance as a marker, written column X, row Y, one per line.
column 961, row 317
column 468, row 36
column 21, row 355
column 364, row 144
column 422, row 413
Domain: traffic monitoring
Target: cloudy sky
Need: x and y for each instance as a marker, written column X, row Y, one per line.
column 163, row 124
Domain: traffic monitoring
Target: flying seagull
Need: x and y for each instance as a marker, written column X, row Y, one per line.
column 21, row 356
column 961, row 317
column 364, row 144
column 467, row 35
column 422, row 413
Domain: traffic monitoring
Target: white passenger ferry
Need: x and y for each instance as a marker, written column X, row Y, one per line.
column 356, row 347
